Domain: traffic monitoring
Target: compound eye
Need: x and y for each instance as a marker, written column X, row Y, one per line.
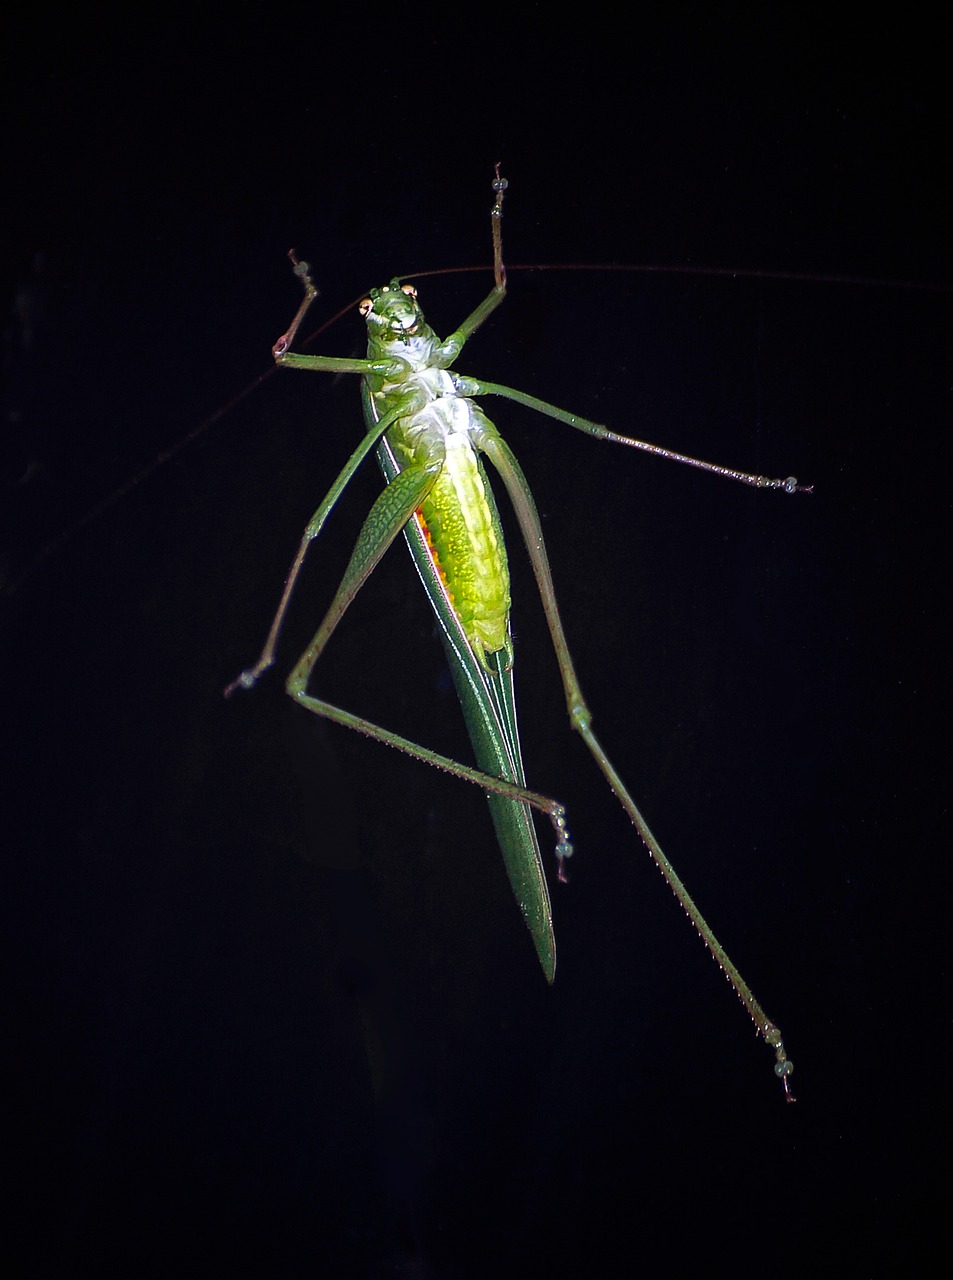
column 365, row 307
column 409, row 290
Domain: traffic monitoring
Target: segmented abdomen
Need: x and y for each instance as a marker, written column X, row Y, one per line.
column 464, row 532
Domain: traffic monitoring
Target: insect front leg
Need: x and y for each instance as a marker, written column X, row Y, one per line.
column 451, row 347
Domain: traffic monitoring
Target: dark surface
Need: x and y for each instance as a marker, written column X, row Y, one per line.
column 270, row 1005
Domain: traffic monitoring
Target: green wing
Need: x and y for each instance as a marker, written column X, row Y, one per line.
column 489, row 709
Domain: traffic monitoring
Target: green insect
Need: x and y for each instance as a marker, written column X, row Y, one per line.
column 432, row 439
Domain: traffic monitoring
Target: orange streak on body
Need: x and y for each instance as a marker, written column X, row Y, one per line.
column 432, row 548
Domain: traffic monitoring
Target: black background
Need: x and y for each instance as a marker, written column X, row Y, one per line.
column 270, row 1004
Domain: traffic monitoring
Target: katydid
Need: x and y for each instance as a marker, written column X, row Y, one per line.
column 430, row 435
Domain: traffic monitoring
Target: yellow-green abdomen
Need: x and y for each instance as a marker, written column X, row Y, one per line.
column 463, row 528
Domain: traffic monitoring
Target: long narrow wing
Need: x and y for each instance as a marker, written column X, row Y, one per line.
column 489, row 709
